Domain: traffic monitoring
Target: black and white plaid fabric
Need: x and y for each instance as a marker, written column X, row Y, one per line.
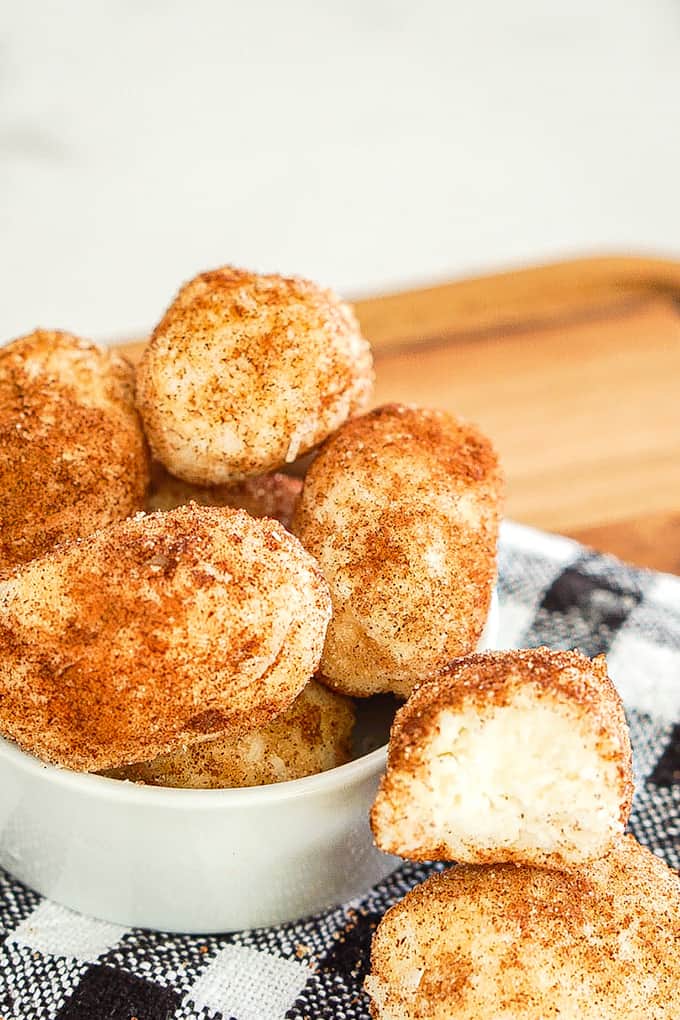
column 57, row 965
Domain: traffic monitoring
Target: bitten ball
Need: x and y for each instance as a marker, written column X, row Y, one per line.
column 517, row 756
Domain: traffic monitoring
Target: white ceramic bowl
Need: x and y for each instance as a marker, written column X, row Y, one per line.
column 195, row 860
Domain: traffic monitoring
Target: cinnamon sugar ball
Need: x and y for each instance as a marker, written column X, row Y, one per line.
column 517, row 756
column 72, row 454
column 313, row 735
column 485, row 942
column 154, row 632
column 246, row 372
column 401, row 509
column 273, row 495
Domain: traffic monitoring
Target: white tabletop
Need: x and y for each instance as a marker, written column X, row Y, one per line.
column 367, row 143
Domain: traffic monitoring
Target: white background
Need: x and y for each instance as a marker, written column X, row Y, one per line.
column 366, row 144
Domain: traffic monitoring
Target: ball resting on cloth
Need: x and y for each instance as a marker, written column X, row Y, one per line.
column 483, row 942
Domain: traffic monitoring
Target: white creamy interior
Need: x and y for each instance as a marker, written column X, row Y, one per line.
column 526, row 775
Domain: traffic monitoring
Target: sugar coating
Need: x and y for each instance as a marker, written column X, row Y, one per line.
column 273, row 495
column 508, row 941
column 401, row 509
column 154, row 632
column 246, row 372
column 72, row 454
column 311, row 736
column 517, row 756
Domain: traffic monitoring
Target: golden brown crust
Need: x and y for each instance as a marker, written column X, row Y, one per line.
column 246, row 372
column 401, row 508
column 272, row 495
column 476, row 685
column 73, row 457
column 158, row 630
column 311, row 736
column 479, row 942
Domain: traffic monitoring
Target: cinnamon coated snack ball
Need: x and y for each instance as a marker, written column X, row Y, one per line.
column 313, row 735
column 245, row 373
column 481, row 942
column 72, row 453
column 154, row 632
column 401, row 509
column 519, row 756
column 273, row 495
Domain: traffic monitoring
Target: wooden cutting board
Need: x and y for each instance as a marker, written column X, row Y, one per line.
column 574, row 370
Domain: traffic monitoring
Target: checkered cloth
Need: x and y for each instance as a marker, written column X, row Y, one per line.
column 57, row 964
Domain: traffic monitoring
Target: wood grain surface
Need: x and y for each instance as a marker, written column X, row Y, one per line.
column 574, row 370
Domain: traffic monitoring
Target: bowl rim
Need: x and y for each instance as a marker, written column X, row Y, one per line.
column 108, row 788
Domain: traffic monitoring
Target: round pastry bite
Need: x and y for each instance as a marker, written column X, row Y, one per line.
column 484, row 942
column 246, row 372
column 73, row 457
column 401, row 509
column 311, row 736
column 508, row 756
column 271, row 495
column 158, row 630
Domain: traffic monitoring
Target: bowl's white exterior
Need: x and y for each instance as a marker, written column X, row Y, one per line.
column 193, row 860
column 189, row 860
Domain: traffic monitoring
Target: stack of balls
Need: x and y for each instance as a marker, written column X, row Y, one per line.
column 179, row 608
column 518, row 765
